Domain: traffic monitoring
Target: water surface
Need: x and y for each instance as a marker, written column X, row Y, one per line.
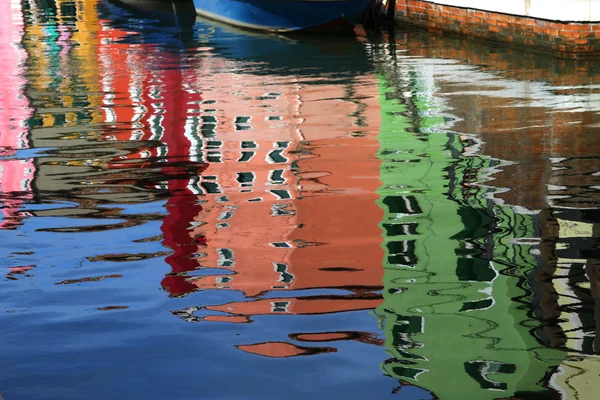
column 194, row 212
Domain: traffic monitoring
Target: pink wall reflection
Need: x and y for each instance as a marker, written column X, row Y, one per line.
column 15, row 174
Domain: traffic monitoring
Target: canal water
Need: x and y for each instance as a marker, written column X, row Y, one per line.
column 194, row 212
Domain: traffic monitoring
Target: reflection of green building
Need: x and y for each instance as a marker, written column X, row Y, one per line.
column 456, row 297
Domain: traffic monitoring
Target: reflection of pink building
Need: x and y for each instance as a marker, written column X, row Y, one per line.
column 291, row 198
column 15, row 174
column 268, row 224
column 271, row 180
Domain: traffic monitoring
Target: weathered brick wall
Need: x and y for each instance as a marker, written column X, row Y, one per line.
column 569, row 39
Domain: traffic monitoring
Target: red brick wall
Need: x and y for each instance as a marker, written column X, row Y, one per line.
column 570, row 39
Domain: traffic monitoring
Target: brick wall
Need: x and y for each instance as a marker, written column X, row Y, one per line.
column 569, row 39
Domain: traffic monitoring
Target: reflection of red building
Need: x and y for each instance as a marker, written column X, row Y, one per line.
column 155, row 106
column 288, row 199
column 15, row 174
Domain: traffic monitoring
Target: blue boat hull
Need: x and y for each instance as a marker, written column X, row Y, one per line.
column 285, row 15
column 176, row 29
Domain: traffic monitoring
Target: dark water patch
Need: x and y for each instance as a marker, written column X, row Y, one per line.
column 111, row 308
column 127, row 257
column 90, row 279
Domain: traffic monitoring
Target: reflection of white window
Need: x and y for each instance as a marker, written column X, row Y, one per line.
column 214, row 157
column 108, row 98
column 281, row 209
column 246, row 178
column 478, row 305
column 284, row 275
column 225, row 215
column 281, row 194
column 111, row 116
column 242, row 123
column 211, row 187
column 156, row 127
column 271, row 96
column 25, row 184
column 281, row 244
column 409, row 206
column 225, row 258
column 161, row 151
column 222, row 282
column 248, row 144
column 194, row 186
column 280, row 306
column 276, row 177
column 192, row 125
column 208, row 129
column 276, row 157
column 164, row 185
column 154, row 93
column 246, row 156
column 140, row 111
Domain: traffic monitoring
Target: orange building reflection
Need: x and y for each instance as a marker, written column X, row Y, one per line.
column 288, row 199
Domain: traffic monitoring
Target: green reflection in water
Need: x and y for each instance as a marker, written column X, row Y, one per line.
column 457, row 264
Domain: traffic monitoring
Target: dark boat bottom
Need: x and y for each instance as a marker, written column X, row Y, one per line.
column 340, row 25
column 337, row 25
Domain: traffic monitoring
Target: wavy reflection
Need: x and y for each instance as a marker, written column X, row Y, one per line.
column 174, row 190
column 168, row 113
column 505, row 268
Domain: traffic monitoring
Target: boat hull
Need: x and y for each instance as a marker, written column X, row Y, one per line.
column 285, row 15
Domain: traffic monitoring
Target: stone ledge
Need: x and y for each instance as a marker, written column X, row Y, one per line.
column 569, row 39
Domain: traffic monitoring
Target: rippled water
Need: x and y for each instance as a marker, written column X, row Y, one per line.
column 193, row 212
